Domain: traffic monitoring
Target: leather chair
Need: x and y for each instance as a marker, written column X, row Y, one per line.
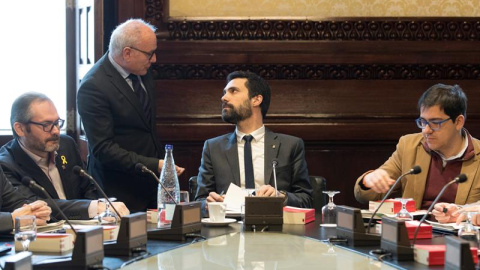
column 319, row 184
column 192, row 187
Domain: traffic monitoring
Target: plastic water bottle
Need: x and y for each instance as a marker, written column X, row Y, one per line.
column 169, row 179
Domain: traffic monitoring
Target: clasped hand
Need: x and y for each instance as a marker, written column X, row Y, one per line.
column 39, row 209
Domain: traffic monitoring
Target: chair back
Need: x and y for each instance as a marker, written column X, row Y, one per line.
column 192, row 187
column 319, row 184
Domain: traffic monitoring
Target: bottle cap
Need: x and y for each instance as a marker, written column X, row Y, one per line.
column 168, row 147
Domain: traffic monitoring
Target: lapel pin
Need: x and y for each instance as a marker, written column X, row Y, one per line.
column 64, row 161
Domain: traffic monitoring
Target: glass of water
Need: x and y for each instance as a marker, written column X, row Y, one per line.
column 108, row 217
column 25, row 230
column 329, row 211
column 403, row 213
column 468, row 231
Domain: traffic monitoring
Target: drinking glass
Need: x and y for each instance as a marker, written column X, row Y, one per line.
column 25, row 230
column 329, row 211
column 468, row 231
column 107, row 217
column 403, row 213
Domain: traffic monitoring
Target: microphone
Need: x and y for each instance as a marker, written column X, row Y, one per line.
column 274, row 165
column 415, row 170
column 82, row 173
column 29, row 182
column 459, row 179
column 140, row 168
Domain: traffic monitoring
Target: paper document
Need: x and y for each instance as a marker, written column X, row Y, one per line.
column 235, row 198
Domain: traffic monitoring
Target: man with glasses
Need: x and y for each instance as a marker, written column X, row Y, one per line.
column 39, row 151
column 443, row 150
column 116, row 103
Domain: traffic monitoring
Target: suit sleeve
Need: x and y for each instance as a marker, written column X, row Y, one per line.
column 300, row 193
column 10, row 201
column 73, row 209
column 393, row 167
column 206, row 177
column 98, row 120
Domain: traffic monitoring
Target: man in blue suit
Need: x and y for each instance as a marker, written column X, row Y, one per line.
column 245, row 103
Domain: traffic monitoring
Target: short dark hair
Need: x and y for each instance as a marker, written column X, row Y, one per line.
column 21, row 108
column 256, row 85
column 450, row 98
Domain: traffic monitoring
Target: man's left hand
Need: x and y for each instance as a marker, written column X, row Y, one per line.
column 268, row 191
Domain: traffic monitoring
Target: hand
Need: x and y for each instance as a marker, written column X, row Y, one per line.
column 39, row 209
column 215, row 197
column 378, row 180
column 444, row 212
column 461, row 216
column 179, row 170
column 267, row 191
column 121, row 208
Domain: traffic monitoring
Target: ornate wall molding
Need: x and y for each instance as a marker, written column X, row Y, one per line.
column 386, row 29
column 322, row 72
column 409, row 29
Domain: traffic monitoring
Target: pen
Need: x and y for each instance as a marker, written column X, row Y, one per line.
column 223, row 192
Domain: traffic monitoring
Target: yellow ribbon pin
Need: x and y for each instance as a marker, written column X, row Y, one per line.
column 64, row 161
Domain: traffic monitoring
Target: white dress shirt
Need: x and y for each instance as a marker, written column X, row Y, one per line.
column 258, row 156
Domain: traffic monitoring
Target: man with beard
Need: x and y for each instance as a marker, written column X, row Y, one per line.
column 245, row 103
column 39, row 151
column 443, row 149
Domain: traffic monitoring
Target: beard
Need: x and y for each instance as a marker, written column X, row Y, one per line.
column 49, row 145
column 234, row 115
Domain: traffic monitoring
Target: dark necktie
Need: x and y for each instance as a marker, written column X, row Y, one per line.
column 141, row 95
column 247, row 156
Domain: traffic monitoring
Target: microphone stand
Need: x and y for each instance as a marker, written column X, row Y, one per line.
column 31, row 183
column 461, row 178
column 412, row 171
column 78, row 170
column 145, row 169
column 274, row 165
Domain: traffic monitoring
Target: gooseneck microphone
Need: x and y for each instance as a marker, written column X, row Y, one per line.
column 459, row 179
column 415, row 170
column 274, row 165
column 82, row 173
column 140, row 168
column 29, row 182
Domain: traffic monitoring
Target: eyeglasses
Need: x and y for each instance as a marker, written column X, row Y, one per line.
column 434, row 125
column 148, row 54
column 48, row 126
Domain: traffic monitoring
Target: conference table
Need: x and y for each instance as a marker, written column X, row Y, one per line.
column 231, row 247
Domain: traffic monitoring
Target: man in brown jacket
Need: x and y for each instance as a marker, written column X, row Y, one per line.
column 443, row 150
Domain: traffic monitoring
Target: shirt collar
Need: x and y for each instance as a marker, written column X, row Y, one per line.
column 460, row 154
column 257, row 134
column 120, row 70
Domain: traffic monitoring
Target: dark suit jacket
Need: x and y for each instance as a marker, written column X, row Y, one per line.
column 9, row 201
column 16, row 164
column 119, row 135
column 219, row 166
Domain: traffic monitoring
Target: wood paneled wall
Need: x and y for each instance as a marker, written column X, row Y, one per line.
column 347, row 86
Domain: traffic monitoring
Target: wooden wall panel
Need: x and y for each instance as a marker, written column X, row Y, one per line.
column 347, row 86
